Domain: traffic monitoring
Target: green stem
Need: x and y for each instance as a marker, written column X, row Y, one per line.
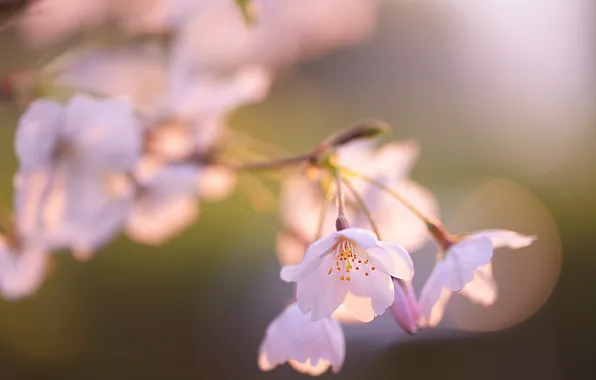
column 323, row 210
column 341, row 201
column 364, row 208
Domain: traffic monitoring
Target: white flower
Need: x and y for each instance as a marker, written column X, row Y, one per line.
column 302, row 200
column 22, row 270
column 466, row 268
column 309, row 346
column 72, row 189
column 350, row 268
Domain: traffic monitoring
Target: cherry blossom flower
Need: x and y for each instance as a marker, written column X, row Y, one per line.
column 466, row 268
column 352, row 268
column 405, row 308
column 302, row 200
column 73, row 189
column 22, row 270
column 310, row 347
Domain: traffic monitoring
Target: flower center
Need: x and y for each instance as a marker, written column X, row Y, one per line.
column 348, row 260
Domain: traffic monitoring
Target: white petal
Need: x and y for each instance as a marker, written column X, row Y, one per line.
column 311, row 261
column 483, row 289
column 156, row 223
column 377, row 287
column 293, row 336
column 433, row 288
column 399, row 156
column 359, row 308
column 505, row 238
column 438, row 310
column 398, row 223
column 264, row 363
column 38, row 133
column 472, row 252
column 165, row 206
column 308, row 368
column 343, row 315
column 393, row 260
column 22, row 272
column 92, row 215
column 216, row 183
column 364, row 239
column 320, row 292
column 105, row 133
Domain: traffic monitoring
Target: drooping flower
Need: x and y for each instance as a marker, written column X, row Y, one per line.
column 309, row 346
column 22, row 270
column 405, row 308
column 73, row 188
column 352, row 268
column 302, row 200
column 466, row 268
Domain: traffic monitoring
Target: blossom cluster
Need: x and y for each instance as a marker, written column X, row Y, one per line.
column 345, row 272
column 141, row 140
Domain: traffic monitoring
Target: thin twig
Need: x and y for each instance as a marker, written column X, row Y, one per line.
column 275, row 164
column 341, row 201
column 364, row 208
column 323, row 210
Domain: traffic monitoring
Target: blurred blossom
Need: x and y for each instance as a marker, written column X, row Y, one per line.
column 22, row 270
column 352, row 268
column 213, row 33
column 302, row 200
column 466, row 267
column 215, row 182
column 205, row 96
column 310, row 347
column 49, row 21
column 72, row 189
column 165, row 204
column 134, row 71
column 215, row 36
column 158, row 88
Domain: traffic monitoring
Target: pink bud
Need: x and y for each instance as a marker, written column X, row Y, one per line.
column 405, row 306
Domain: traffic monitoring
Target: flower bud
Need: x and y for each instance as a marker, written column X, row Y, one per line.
column 366, row 130
column 405, row 306
column 341, row 223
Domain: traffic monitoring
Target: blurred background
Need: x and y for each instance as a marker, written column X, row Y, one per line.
column 500, row 97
